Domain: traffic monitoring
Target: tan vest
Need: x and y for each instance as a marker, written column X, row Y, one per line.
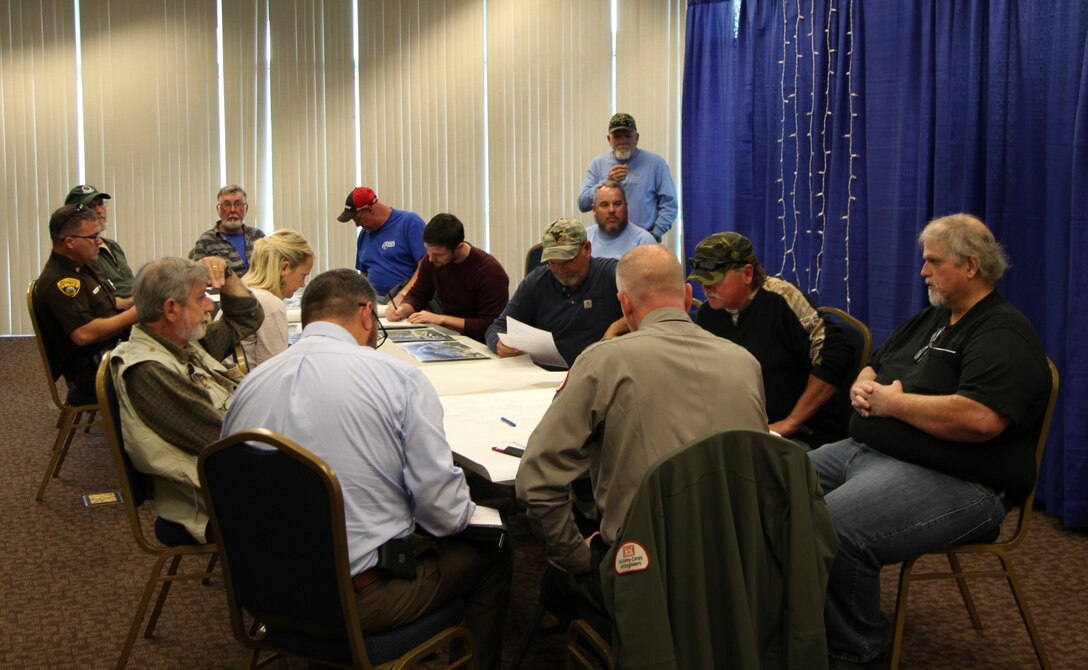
column 176, row 490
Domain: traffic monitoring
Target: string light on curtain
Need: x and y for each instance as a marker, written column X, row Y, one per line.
column 811, row 207
column 850, row 198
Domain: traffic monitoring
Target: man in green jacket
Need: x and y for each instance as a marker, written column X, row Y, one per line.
column 111, row 257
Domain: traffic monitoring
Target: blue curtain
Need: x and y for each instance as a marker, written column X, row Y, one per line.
column 830, row 131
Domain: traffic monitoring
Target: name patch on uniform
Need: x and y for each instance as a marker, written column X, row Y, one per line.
column 69, row 286
column 389, row 244
column 587, row 304
column 631, row 557
column 96, row 290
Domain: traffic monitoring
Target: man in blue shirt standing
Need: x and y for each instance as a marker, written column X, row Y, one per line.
column 390, row 245
column 651, row 195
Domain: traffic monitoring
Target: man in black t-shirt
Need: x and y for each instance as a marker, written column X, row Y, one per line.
column 79, row 313
column 942, row 439
column 805, row 360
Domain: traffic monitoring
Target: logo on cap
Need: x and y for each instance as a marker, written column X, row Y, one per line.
column 562, row 241
column 622, row 121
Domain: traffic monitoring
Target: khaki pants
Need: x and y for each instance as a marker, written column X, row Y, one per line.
column 447, row 569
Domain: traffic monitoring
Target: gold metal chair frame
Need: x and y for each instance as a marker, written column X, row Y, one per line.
column 1001, row 549
column 162, row 554
column 71, row 416
column 586, row 649
column 866, row 334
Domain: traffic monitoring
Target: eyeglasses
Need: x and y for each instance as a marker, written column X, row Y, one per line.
column 920, row 354
column 97, row 236
column 712, row 265
column 382, row 334
column 228, row 206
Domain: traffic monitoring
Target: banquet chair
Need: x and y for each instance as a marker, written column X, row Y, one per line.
column 532, row 257
column 286, row 566
column 77, row 410
column 172, row 542
column 856, row 331
column 1002, row 549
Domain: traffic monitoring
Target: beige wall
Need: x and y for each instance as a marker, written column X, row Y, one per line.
column 428, row 142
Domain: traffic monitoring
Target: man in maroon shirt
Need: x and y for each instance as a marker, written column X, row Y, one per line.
column 470, row 284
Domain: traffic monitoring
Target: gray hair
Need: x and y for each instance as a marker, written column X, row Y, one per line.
column 162, row 279
column 227, row 190
column 336, row 295
column 67, row 220
column 965, row 236
column 609, row 183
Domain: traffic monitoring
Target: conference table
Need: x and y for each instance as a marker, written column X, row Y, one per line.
column 487, row 402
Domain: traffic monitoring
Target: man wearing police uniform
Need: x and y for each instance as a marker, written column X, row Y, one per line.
column 78, row 310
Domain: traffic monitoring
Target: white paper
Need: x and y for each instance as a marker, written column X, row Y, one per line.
column 539, row 344
column 474, row 424
column 486, row 516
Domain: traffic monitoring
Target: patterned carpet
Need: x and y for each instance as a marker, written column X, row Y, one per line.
column 71, row 576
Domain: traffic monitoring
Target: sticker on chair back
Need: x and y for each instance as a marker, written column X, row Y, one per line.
column 631, row 557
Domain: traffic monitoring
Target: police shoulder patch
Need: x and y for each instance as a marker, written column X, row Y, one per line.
column 69, row 286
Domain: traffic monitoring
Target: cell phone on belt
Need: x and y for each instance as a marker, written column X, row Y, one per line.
column 510, row 450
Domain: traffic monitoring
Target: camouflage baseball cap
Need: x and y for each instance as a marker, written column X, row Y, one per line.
column 562, row 240
column 83, row 194
column 718, row 253
column 622, row 121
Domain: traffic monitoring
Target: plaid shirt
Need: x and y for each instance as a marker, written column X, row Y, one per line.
column 214, row 243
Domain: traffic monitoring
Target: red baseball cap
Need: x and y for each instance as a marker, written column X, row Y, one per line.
column 360, row 197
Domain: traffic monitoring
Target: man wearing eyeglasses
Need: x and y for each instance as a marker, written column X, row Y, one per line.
column 572, row 295
column 171, row 387
column 230, row 239
column 804, row 359
column 390, row 244
column 942, row 439
column 111, row 258
column 77, row 307
column 377, row 422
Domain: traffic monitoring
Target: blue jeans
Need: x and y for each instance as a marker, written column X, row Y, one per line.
column 887, row 511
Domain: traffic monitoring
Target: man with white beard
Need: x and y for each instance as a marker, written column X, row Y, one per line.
column 651, row 195
column 172, row 390
column 230, row 239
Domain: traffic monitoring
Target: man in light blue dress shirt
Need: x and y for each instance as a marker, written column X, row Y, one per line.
column 377, row 422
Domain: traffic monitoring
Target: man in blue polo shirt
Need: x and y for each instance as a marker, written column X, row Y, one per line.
column 390, row 244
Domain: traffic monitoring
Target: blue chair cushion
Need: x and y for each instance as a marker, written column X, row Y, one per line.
column 380, row 647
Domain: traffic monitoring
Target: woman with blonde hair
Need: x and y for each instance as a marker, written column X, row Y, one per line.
column 280, row 264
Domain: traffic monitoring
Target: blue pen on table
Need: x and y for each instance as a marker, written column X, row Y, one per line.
column 508, row 422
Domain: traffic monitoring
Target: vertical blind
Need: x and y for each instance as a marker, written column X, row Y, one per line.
column 489, row 109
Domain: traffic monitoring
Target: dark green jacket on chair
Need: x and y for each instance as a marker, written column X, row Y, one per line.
column 723, row 559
